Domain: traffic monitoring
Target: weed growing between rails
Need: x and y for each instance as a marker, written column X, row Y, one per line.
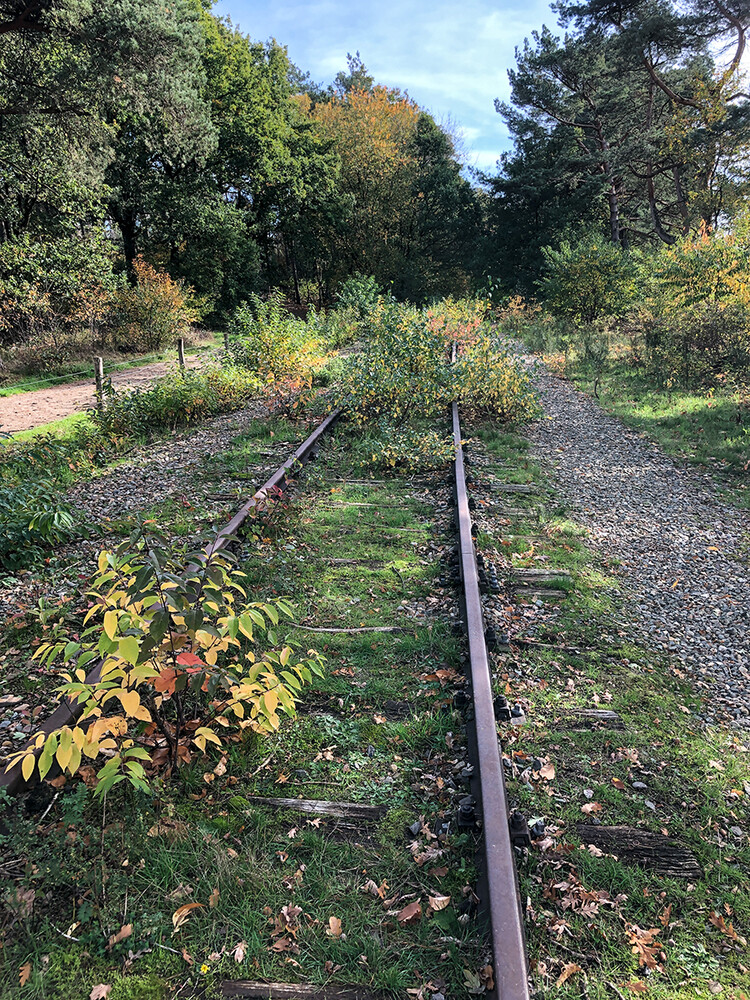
column 384, row 902
column 612, row 739
column 198, row 501
column 403, row 378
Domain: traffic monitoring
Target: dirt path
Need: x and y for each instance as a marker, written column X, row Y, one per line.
column 27, row 410
column 682, row 550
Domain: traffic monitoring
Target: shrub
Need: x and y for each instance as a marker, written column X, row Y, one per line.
column 272, row 343
column 360, row 293
column 154, row 312
column 181, row 398
column 33, row 518
column 588, row 279
column 493, row 383
column 401, row 371
column 188, row 661
column 404, row 369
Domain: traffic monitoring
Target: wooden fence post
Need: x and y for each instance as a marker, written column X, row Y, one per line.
column 181, row 351
column 99, row 379
column 226, row 340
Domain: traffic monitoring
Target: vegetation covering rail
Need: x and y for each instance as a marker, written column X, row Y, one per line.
column 16, row 777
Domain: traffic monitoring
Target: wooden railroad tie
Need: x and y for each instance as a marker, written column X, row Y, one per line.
column 295, row 991
column 321, row 807
column 654, row 851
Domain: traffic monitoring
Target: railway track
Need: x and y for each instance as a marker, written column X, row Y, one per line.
column 501, row 904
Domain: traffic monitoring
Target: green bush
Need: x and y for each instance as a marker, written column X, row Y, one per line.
column 402, row 370
column 588, row 280
column 359, row 293
column 181, row 398
column 271, row 342
column 33, row 519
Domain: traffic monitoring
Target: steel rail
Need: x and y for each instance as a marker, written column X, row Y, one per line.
column 12, row 780
column 504, row 904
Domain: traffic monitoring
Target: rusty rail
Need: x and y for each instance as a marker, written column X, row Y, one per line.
column 508, row 942
column 69, row 710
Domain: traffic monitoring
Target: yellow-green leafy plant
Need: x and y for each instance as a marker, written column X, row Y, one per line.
column 492, row 382
column 186, row 661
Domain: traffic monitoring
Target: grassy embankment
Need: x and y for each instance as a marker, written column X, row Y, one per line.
column 614, row 928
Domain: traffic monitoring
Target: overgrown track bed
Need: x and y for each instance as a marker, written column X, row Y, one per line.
column 635, row 878
column 187, row 485
column 358, row 872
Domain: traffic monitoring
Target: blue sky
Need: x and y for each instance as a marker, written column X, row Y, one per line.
column 451, row 57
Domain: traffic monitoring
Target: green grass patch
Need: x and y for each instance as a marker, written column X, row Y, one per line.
column 666, row 772
column 709, row 428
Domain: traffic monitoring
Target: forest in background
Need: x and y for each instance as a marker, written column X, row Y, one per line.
column 157, row 162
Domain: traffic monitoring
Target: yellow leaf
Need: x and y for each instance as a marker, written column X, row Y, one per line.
column 27, row 769
column 129, row 649
column 130, row 701
column 110, row 623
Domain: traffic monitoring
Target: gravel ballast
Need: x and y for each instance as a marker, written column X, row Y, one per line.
column 682, row 550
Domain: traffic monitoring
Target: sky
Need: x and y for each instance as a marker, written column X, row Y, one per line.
column 450, row 57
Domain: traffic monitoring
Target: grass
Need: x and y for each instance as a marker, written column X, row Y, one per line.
column 378, row 729
column 704, row 427
column 63, row 429
column 697, row 781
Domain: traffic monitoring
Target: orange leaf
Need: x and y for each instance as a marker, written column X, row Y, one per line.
column 568, row 970
column 181, row 914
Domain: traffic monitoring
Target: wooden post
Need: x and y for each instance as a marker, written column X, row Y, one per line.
column 99, row 379
column 181, row 351
column 226, row 340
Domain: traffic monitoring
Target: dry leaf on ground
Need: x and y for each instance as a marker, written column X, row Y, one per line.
column 439, row 902
column 124, row 932
column 568, row 970
column 181, row 914
column 410, row 914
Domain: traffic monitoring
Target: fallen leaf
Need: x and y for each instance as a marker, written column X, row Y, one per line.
column 547, row 771
column 439, row 902
column 100, row 992
column 570, row 969
column 636, row 986
column 25, row 971
column 124, row 932
column 727, row 929
column 213, row 899
column 334, row 927
column 591, row 807
column 238, row 952
column 620, row 785
column 188, row 957
column 181, row 914
column 410, row 914
column 330, row 968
